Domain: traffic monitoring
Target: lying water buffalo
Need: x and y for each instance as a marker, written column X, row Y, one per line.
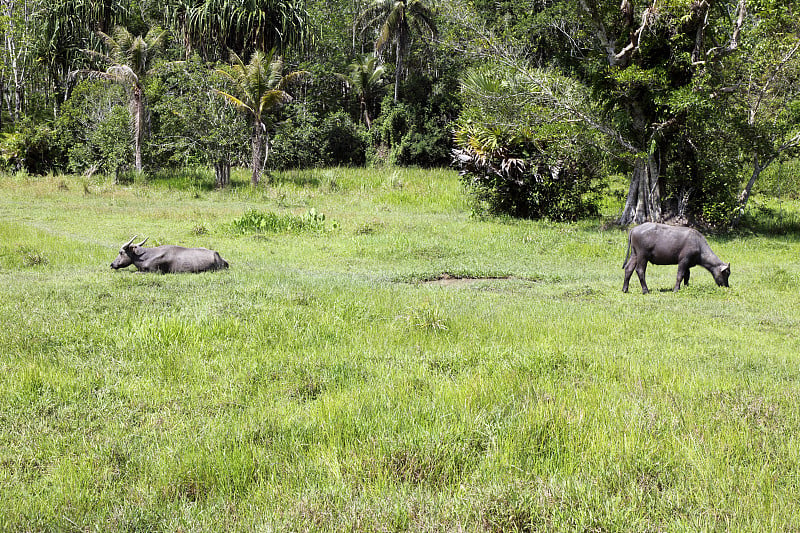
column 661, row 244
column 168, row 258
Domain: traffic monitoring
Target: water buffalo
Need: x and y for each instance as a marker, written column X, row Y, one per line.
column 168, row 258
column 661, row 244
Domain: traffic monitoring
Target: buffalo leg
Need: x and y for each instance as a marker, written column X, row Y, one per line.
column 683, row 275
column 628, row 272
column 641, row 269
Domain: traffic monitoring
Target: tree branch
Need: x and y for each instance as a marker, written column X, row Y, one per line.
column 623, row 57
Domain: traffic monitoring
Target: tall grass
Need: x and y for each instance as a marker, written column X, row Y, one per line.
column 362, row 378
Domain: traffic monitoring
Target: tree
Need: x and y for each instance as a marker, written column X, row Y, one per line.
column 194, row 125
column 655, row 56
column 210, row 27
column 764, row 88
column 65, row 28
column 259, row 86
column 516, row 151
column 397, row 20
column 93, row 128
column 130, row 60
column 364, row 77
column 15, row 17
column 665, row 77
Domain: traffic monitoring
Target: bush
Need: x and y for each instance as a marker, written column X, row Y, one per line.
column 524, row 177
column 306, row 141
column 94, row 128
column 33, row 147
column 191, row 124
column 404, row 135
column 343, row 142
column 296, row 144
column 254, row 221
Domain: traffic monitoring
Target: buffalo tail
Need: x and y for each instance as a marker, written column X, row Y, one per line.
column 628, row 251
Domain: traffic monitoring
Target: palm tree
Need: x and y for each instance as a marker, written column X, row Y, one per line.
column 364, row 77
column 260, row 86
column 210, row 27
column 397, row 20
column 130, row 58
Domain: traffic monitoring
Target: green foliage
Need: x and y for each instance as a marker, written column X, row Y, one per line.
column 34, row 147
column 111, row 139
column 517, row 156
column 342, row 141
column 306, row 141
column 526, row 178
column 254, row 221
column 296, row 143
column 781, row 180
column 94, row 128
column 396, row 23
column 259, row 91
column 191, row 124
column 213, row 27
column 408, row 135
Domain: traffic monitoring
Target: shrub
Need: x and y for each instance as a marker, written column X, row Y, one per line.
column 511, row 174
column 33, row 147
column 254, row 221
column 94, row 128
column 296, row 143
column 342, row 141
column 306, row 141
column 406, row 135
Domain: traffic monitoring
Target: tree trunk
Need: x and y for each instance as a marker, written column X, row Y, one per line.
column 16, row 52
column 365, row 112
column 398, row 68
column 644, row 194
column 222, row 174
column 138, row 127
column 745, row 196
column 19, row 101
column 257, row 145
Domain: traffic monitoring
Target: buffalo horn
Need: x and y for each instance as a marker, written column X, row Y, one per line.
column 141, row 243
column 129, row 242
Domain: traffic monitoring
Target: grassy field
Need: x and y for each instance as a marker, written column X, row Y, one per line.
column 396, row 366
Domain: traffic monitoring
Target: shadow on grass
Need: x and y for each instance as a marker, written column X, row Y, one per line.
column 770, row 221
column 203, row 179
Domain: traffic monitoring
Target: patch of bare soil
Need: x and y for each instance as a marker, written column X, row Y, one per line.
column 450, row 280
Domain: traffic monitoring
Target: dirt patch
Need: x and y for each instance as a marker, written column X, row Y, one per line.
column 450, row 280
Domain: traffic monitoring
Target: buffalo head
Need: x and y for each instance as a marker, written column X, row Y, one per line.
column 126, row 254
column 721, row 274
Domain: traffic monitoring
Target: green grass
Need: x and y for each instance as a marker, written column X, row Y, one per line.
column 356, row 377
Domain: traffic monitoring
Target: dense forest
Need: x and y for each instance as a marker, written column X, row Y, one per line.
column 537, row 102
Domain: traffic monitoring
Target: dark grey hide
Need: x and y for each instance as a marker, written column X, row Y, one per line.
column 168, row 258
column 661, row 244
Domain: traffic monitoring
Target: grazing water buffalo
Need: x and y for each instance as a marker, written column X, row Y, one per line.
column 661, row 244
column 168, row 258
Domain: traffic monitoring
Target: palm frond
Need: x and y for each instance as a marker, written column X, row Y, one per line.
column 122, row 39
column 109, row 41
column 122, row 74
column 240, row 105
column 292, row 77
column 272, row 99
